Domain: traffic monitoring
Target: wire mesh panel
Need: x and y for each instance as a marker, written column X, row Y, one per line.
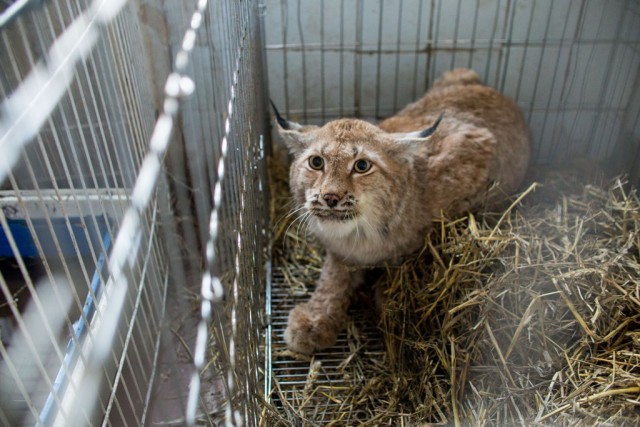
column 88, row 208
column 223, row 129
column 76, row 97
column 571, row 66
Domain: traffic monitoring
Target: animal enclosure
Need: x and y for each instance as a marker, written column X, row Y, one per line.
column 146, row 273
column 130, row 132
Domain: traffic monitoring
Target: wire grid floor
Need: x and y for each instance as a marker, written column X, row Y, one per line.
column 316, row 387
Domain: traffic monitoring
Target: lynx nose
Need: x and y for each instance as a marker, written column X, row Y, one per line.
column 331, row 200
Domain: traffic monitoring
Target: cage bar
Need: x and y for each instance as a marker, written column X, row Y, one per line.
column 137, row 275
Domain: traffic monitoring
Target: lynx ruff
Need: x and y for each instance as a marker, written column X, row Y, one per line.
column 369, row 193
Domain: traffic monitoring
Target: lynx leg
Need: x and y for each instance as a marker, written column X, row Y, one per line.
column 315, row 325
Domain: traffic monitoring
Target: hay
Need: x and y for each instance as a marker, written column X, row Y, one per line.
column 525, row 316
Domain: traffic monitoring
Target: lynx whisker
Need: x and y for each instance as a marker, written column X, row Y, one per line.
column 288, row 215
column 298, row 218
column 374, row 231
column 355, row 241
column 308, row 223
column 305, row 217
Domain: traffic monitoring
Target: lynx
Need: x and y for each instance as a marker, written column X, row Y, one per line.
column 370, row 193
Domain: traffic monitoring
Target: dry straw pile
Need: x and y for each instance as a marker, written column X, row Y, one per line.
column 529, row 316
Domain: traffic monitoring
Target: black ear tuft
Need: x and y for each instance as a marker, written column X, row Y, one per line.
column 284, row 123
column 430, row 130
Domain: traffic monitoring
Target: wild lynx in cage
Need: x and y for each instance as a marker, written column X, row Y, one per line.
column 369, row 193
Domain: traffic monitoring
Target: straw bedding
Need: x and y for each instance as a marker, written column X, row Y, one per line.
column 528, row 315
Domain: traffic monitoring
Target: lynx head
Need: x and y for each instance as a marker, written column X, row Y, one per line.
column 349, row 177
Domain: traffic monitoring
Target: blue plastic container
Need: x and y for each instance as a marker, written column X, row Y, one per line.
column 62, row 232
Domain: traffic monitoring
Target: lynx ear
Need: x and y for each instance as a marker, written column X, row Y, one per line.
column 422, row 134
column 294, row 135
column 408, row 144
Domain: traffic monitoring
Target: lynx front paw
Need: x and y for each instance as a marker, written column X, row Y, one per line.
column 309, row 330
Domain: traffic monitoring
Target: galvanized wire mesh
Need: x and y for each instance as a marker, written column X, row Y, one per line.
column 571, row 66
column 80, row 101
column 88, row 206
column 236, row 218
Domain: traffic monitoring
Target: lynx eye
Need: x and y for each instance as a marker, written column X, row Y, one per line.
column 316, row 162
column 362, row 166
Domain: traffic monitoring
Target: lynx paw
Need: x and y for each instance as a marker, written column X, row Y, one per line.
column 309, row 330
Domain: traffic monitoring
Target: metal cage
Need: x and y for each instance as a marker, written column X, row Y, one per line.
column 133, row 176
column 572, row 67
column 134, row 232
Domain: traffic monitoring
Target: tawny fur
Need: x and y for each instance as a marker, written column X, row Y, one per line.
column 477, row 154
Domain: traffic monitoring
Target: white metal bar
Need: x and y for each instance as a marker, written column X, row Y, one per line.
column 46, row 203
column 132, row 94
column 128, row 239
column 138, row 298
column 378, row 56
column 79, row 329
column 32, row 103
column 61, row 72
